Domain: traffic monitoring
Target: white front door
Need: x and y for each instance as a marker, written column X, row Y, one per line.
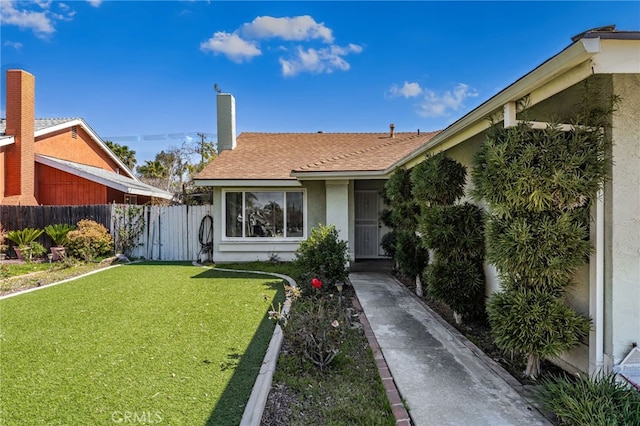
column 367, row 224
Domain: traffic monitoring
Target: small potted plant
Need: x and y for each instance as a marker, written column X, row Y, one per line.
column 58, row 234
column 23, row 239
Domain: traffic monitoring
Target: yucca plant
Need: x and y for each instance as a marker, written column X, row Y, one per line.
column 24, row 237
column 58, row 233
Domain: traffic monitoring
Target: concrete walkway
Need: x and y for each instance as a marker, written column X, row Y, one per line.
column 443, row 378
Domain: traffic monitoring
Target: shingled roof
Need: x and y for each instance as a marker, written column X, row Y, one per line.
column 278, row 155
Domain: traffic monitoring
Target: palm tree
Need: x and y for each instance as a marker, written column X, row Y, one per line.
column 126, row 155
column 153, row 170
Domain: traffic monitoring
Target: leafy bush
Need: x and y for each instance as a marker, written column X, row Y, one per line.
column 324, row 255
column 458, row 284
column 455, row 233
column 58, row 233
column 36, row 250
column 388, row 243
column 411, row 254
column 536, row 323
column 457, row 230
column 597, row 400
column 439, row 180
column 539, row 185
column 89, row 240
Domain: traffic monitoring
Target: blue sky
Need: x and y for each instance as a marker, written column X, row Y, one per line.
column 141, row 73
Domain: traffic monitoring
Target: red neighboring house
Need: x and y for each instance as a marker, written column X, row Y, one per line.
column 59, row 161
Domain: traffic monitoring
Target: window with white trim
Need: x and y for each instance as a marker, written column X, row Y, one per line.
column 264, row 214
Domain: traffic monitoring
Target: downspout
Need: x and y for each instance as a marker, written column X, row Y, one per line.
column 596, row 288
column 599, row 308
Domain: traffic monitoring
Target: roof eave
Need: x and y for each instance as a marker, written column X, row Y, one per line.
column 339, row 175
column 248, row 182
column 7, row 140
column 102, row 181
column 80, row 122
column 575, row 54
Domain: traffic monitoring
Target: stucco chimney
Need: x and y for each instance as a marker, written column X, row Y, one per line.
column 19, row 188
column 392, row 128
column 226, row 109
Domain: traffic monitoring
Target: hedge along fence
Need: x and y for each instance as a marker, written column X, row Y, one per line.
column 20, row 217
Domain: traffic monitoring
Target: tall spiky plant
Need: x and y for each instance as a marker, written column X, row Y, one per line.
column 539, row 186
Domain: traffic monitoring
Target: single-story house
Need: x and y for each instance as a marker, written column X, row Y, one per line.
column 59, row 161
column 271, row 189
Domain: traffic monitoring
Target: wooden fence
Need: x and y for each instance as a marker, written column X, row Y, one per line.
column 170, row 233
column 20, row 217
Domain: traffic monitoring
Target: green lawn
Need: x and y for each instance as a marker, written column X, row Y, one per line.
column 153, row 341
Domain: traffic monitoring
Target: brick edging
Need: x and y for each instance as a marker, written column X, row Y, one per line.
column 393, row 395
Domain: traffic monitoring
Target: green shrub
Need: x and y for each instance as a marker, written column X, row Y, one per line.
column 439, row 180
column 324, row 255
column 24, row 237
column 58, row 233
column 455, row 230
column 536, row 323
column 411, row 254
column 455, row 233
column 388, row 243
column 597, row 400
column 539, row 185
column 458, row 284
column 37, row 250
column 89, row 240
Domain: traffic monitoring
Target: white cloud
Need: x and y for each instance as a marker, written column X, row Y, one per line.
column 298, row 28
column 16, row 45
column 232, row 46
column 408, row 90
column 317, row 61
column 242, row 44
column 37, row 21
column 95, row 3
column 438, row 105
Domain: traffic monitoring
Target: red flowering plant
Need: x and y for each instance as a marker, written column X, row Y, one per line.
column 316, row 283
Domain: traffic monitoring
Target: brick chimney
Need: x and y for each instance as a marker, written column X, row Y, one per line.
column 226, row 114
column 19, row 188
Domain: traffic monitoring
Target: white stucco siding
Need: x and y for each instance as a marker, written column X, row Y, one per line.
column 338, row 211
column 622, row 201
column 316, row 209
